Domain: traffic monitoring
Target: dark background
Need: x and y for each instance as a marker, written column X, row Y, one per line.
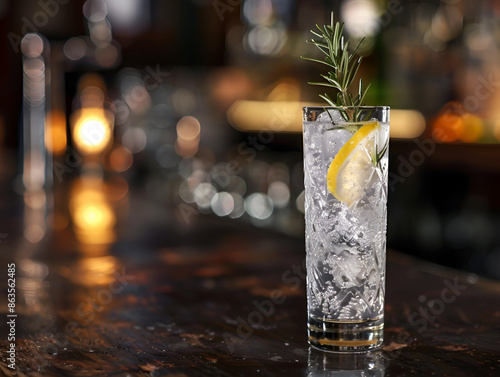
column 428, row 56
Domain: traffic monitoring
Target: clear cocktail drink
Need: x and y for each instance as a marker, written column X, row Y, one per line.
column 345, row 164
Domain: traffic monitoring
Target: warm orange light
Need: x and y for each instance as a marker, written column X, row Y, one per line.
column 93, row 271
column 59, row 221
column 449, row 125
column 91, row 79
column 34, row 218
column 34, row 233
column 188, row 136
column 92, row 96
column 230, row 84
column 92, row 215
column 286, row 90
column 496, row 130
column 473, row 128
column 186, row 148
column 35, row 199
column 92, row 129
column 277, row 116
column 117, row 188
column 188, row 128
column 55, row 134
column 121, row 159
column 406, row 124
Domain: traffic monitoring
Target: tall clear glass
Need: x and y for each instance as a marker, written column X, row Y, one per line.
column 345, row 164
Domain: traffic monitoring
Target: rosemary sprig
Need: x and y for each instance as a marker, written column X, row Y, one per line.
column 377, row 155
column 330, row 41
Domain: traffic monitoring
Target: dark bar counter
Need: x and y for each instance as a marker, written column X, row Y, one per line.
column 223, row 298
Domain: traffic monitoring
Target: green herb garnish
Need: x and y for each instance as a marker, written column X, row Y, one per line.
column 330, row 41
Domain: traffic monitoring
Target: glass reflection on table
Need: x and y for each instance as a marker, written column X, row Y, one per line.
column 329, row 364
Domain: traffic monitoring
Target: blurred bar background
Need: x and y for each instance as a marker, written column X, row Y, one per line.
column 196, row 106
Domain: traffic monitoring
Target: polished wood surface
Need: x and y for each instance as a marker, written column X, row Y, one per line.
column 224, row 298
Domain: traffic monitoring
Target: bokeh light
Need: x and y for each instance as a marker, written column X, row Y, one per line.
column 360, row 18
column 95, row 10
column 448, row 125
column 473, row 128
column 135, row 139
column 188, row 136
column 300, row 202
column 93, row 271
column 259, row 206
column 91, row 129
column 203, row 194
column 183, row 101
column 92, row 96
column 222, row 204
column 55, row 134
column 107, row 55
column 32, row 45
column 129, row 17
column 265, row 40
column 117, row 188
column 75, row 48
column 92, row 215
column 239, row 206
column 34, row 233
column 258, row 11
column 496, row 130
column 279, row 192
column 121, row 159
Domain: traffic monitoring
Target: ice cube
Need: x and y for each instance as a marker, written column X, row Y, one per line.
column 351, row 269
column 330, row 116
column 335, row 138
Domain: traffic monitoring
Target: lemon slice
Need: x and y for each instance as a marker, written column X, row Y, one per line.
column 352, row 166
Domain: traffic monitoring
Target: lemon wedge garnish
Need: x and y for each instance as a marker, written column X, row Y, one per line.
column 353, row 164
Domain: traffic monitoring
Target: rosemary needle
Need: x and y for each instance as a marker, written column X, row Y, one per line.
column 329, row 39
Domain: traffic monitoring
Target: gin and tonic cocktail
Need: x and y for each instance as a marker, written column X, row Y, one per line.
column 345, row 164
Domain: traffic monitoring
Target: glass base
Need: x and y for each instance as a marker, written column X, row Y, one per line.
column 335, row 336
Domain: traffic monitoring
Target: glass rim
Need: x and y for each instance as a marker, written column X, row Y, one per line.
column 347, row 107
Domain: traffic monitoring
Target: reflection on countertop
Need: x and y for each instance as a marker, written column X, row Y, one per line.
column 219, row 297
